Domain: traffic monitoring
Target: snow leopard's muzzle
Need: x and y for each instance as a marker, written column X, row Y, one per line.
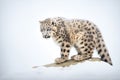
column 46, row 36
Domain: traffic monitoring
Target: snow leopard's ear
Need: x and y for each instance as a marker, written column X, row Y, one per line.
column 46, row 21
column 53, row 23
column 40, row 22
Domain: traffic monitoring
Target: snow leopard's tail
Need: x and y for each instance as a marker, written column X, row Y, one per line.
column 101, row 48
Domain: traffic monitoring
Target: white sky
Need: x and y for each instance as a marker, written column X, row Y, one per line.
column 22, row 45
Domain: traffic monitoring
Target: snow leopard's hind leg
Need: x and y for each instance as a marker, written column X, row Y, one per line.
column 84, row 48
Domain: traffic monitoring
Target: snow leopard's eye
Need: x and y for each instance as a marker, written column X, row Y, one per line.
column 41, row 29
column 48, row 29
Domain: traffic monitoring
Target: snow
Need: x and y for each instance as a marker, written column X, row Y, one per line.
column 22, row 45
column 82, row 71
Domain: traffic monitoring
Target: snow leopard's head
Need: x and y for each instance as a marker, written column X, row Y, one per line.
column 48, row 27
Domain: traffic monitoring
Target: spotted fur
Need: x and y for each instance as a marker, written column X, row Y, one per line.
column 81, row 34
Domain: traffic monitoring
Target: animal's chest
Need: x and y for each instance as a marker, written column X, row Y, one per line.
column 58, row 39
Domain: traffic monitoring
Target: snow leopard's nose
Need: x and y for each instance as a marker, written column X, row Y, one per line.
column 46, row 36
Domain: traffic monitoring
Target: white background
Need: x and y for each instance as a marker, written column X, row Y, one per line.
column 22, row 45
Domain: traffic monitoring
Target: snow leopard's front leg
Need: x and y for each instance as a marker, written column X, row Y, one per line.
column 65, row 49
